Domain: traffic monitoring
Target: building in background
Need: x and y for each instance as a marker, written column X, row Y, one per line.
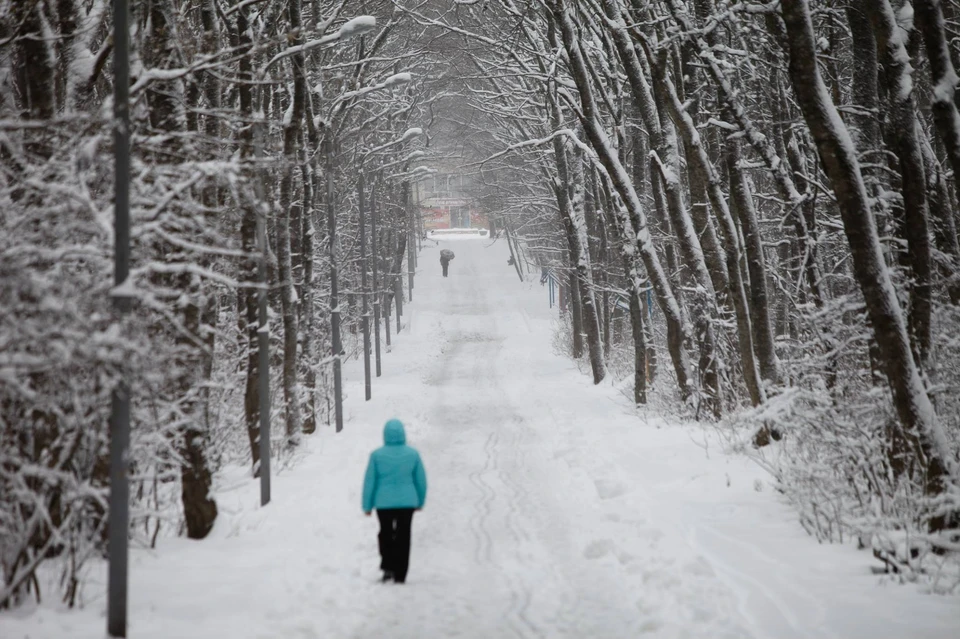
column 445, row 202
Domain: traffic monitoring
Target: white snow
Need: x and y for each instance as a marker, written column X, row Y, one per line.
column 944, row 90
column 398, row 79
column 126, row 289
column 358, row 26
column 554, row 510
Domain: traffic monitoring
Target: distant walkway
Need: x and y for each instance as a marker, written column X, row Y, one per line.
column 554, row 512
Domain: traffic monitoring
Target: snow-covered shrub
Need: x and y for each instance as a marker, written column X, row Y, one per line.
column 837, row 462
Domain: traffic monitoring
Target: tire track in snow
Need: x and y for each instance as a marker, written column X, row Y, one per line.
column 483, row 551
column 482, row 509
column 487, row 346
column 523, row 594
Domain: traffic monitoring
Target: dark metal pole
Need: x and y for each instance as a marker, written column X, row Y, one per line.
column 398, row 297
column 386, row 311
column 363, row 290
column 411, row 239
column 263, row 372
column 120, row 398
column 263, row 326
column 376, row 289
column 263, row 366
column 334, row 294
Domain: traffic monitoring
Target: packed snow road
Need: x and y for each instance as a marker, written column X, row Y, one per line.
column 554, row 511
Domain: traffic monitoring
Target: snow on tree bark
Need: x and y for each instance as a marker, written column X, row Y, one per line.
column 904, row 132
column 944, row 75
column 701, row 167
column 919, row 426
column 638, row 240
column 582, row 282
column 291, row 135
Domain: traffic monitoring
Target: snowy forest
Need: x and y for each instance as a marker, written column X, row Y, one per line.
column 752, row 207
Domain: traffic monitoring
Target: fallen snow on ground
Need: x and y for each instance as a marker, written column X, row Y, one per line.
column 554, row 511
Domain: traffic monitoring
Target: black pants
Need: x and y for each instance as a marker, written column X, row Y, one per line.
column 394, row 540
column 444, row 264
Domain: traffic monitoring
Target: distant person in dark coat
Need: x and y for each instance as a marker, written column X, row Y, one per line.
column 445, row 256
column 396, row 485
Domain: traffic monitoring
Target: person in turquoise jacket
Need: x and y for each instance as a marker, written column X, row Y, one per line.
column 395, row 485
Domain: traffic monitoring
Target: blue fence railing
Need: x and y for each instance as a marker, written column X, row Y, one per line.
column 549, row 277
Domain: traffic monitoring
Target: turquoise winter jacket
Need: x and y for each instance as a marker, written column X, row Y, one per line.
column 395, row 477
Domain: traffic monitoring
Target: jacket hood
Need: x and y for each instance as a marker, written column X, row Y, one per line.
column 393, row 433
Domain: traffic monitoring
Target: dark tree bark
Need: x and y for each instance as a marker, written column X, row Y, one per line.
column 905, row 135
column 291, row 135
column 699, row 245
column 865, row 118
column 576, row 313
column 196, row 479
column 249, row 297
column 640, row 176
column 34, row 73
column 741, row 201
column 67, row 19
column 639, row 349
column 586, row 321
column 311, row 187
column 944, row 77
column 942, row 221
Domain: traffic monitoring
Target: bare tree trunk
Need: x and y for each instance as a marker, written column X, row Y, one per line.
column 944, row 77
column 905, row 134
column 291, row 134
column 698, row 251
column 576, row 312
column 585, row 316
column 864, row 91
column 920, row 431
column 706, row 176
column 199, row 508
column 633, row 227
column 645, row 339
column 308, row 178
column 604, row 257
column 741, row 201
column 248, row 243
column 35, row 73
column 395, row 277
column 942, row 221
column 734, row 109
column 639, row 348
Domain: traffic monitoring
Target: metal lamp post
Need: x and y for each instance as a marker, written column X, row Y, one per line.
column 120, row 398
column 263, row 327
column 336, row 346
column 367, row 390
column 375, row 258
column 119, row 499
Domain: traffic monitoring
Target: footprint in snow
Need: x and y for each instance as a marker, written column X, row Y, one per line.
column 598, row 548
column 609, row 489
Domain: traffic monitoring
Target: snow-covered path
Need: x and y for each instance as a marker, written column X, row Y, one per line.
column 553, row 511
